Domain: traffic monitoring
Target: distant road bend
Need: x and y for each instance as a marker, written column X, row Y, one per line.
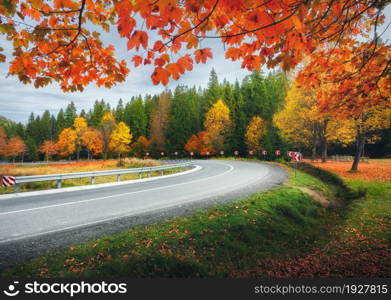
column 30, row 225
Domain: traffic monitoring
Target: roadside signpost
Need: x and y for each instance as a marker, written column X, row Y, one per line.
column 264, row 152
column 221, row 152
column 278, row 152
column 147, row 155
column 207, row 154
column 296, row 157
column 191, row 155
column 251, row 152
column 236, row 153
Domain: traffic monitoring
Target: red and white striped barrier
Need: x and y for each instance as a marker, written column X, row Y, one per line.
column 8, row 180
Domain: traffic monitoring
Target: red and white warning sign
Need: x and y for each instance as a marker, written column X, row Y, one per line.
column 236, row 153
column 176, row 153
column 298, row 156
column 161, row 153
column 251, row 152
column 264, row 152
column 291, row 154
column 278, row 152
column 207, row 152
column 8, row 180
column 147, row 154
column 191, row 153
column 222, row 152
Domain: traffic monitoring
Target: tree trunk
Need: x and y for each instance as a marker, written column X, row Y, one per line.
column 314, row 152
column 360, row 139
column 324, row 150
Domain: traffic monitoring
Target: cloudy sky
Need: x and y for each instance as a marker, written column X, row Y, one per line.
column 17, row 100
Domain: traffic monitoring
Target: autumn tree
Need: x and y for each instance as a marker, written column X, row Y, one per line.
column 199, row 144
column 48, row 148
column 256, row 129
column 107, row 125
column 120, row 139
column 92, row 139
column 15, row 147
column 80, row 126
column 141, row 146
column 217, row 124
column 66, row 144
column 302, row 123
column 353, row 82
column 54, row 42
column 3, row 142
column 160, row 122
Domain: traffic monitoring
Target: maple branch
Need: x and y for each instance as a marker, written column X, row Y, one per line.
column 248, row 31
column 56, row 12
column 89, row 48
column 79, row 30
column 192, row 28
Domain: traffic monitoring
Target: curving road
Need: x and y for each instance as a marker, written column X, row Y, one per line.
column 31, row 224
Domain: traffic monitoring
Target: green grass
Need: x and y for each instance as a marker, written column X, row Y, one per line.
column 279, row 224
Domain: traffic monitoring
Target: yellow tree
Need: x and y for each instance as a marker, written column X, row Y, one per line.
column 217, row 124
column 256, row 129
column 107, row 125
column 80, row 126
column 66, row 144
column 48, row 148
column 120, row 139
column 92, row 139
column 302, row 123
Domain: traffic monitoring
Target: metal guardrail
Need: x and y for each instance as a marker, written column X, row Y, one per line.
column 60, row 177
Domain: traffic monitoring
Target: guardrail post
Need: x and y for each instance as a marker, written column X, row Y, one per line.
column 92, row 179
column 16, row 188
column 118, row 177
column 59, row 183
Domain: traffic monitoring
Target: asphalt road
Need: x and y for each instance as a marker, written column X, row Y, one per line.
column 32, row 225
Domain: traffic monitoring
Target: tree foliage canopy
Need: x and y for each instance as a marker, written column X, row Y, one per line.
column 61, row 41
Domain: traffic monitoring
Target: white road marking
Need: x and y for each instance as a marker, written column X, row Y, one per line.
column 117, row 195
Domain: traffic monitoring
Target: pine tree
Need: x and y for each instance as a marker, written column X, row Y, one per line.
column 60, row 124
column 45, row 127
column 134, row 116
column 70, row 114
column 119, row 112
column 160, row 121
column 212, row 93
